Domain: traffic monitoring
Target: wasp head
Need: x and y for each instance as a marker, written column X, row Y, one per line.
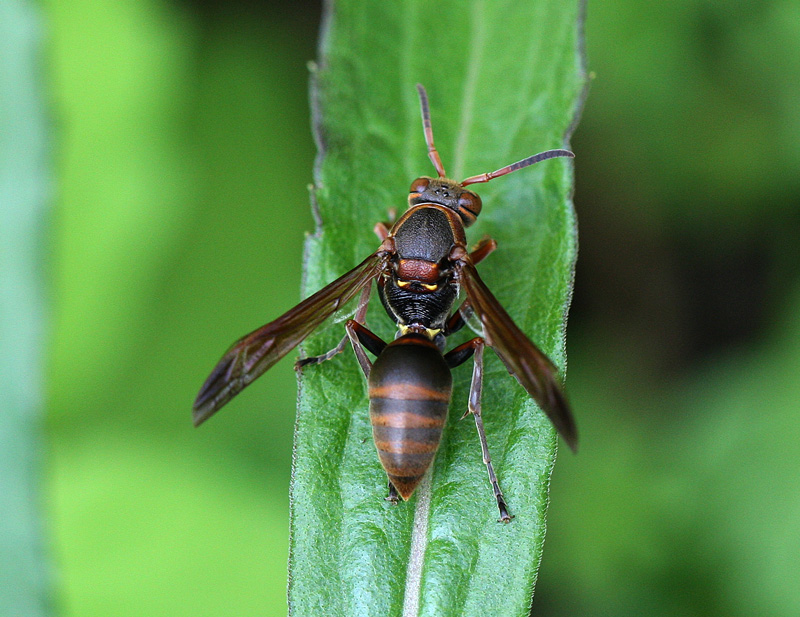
column 446, row 193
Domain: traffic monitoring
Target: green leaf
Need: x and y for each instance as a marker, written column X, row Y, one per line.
column 505, row 81
column 24, row 192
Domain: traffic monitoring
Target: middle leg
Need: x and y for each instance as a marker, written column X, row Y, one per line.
column 360, row 317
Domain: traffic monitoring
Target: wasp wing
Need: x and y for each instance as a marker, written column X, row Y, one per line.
column 256, row 352
column 534, row 370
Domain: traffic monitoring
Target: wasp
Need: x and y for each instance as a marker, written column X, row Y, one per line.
column 419, row 268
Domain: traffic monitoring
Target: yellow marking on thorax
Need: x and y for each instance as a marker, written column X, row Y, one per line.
column 407, row 284
column 431, row 333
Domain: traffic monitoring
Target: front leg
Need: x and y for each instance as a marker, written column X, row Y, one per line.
column 382, row 229
column 482, row 250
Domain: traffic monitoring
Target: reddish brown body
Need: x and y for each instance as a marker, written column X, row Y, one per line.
column 419, row 268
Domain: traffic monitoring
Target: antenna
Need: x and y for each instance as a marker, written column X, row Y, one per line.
column 433, row 155
column 531, row 160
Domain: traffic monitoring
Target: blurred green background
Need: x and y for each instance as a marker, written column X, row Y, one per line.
column 181, row 151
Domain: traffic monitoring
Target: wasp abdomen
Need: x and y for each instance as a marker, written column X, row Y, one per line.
column 409, row 392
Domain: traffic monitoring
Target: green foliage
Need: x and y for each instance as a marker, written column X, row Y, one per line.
column 24, row 192
column 165, row 248
column 699, row 511
column 503, row 83
column 183, row 155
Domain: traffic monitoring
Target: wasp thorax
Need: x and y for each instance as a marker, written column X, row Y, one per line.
column 447, row 193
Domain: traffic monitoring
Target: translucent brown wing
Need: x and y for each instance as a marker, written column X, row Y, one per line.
column 254, row 353
column 534, row 371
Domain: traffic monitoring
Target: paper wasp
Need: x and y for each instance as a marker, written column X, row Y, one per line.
column 420, row 266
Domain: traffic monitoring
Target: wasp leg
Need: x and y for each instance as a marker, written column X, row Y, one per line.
column 393, row 497
column 458, row 356
column 482, row 250
column 382, row 229
column 362, row 338
column 360, row 316
column 459, row 319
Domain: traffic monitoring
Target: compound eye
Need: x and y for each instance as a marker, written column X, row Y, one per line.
column 420, row 185
column 469, row 207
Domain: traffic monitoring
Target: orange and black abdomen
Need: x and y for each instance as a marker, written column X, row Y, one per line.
column 409, row 392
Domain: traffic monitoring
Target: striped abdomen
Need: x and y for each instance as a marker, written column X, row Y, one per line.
column 409, row 393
